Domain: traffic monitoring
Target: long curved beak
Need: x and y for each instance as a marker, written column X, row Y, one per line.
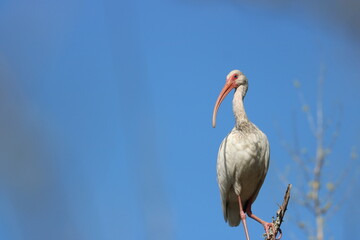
column 227, row 88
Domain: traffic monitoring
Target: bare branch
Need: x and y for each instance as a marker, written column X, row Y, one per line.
column 311, row 194
column 295, row 154
column 339, row 181
column 306, row 109
column 279, row 216
column 336, row 132
column 319, row 161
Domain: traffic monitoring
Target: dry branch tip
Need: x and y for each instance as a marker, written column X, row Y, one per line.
column 279, row 217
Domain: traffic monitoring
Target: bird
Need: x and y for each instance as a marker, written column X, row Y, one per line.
column 243, row 158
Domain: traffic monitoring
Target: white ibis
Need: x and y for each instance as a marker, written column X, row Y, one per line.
column 243, row 158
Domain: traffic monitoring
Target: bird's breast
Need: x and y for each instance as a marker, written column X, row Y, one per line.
column 243, row 160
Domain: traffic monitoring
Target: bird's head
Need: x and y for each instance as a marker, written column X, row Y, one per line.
column 234, row 80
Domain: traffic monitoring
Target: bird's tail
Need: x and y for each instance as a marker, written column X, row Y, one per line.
column 232, row 213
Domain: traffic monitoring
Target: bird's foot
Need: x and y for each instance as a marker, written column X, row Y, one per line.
column 267, row 226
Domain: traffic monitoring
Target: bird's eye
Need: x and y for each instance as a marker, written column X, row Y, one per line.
column 236, row 76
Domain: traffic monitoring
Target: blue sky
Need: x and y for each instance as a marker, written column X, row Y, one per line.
column 107, row 109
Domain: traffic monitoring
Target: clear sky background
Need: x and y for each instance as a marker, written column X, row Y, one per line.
column 106, row 107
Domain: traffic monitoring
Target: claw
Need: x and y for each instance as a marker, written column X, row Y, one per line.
column 267, row 225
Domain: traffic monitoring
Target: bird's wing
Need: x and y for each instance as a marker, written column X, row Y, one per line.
column 264, row 158
column 224, row 175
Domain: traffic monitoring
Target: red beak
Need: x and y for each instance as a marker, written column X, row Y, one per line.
column 227, row 88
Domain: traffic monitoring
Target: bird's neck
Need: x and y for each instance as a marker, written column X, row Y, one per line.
column 238, row 106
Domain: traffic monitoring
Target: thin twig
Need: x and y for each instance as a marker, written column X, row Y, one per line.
column 309, row 116
column 279, row 216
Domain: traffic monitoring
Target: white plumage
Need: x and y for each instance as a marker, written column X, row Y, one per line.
column 243, row 158
column 241, row 168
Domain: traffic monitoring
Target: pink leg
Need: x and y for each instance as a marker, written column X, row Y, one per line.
column 266, row 225
column 243, row 219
